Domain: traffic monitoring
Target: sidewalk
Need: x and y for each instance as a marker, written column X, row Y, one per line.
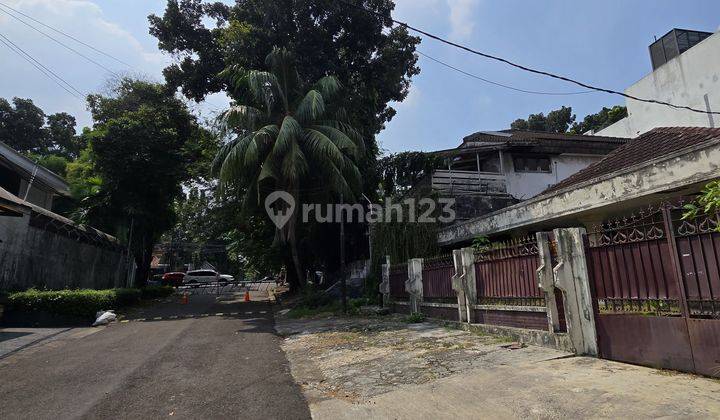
column 379, row 368
column 14, row 339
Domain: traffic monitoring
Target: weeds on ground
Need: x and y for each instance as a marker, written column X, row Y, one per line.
column 415, row 318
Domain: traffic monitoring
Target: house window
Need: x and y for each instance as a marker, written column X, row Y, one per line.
column 532, row 164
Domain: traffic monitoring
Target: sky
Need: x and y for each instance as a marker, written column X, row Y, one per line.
column 604, row 43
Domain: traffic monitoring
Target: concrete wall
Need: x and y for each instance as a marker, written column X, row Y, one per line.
column 524, row 185
column 34, row 257
column 691, row 79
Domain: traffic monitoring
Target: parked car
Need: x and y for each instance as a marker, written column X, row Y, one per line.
column 173, row 279
column 227, row 278
column 201, row 276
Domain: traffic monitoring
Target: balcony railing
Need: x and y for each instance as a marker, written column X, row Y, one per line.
column 468, row 181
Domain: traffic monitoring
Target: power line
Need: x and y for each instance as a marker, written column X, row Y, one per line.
column 474, row 76
column 61, row 43
column 521, row 67
column 67, row 35
column 38, row 65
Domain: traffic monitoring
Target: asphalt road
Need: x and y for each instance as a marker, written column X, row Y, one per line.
column 201, row 365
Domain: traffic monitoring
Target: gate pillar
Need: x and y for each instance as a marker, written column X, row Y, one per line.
column 385, row 284
column 413, row 285
column 571, row 276
column 463, row 282
column 546, row 280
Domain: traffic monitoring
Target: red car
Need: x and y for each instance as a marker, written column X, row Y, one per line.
column 173, row 279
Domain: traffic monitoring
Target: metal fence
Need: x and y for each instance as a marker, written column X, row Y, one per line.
column 437, row 278
column 506, row 274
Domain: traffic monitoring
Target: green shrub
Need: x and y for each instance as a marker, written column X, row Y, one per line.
column 80, row 302
column 154, row 292
column 415, row 318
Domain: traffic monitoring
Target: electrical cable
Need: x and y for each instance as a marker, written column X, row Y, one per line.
column 62, row 44
column 43, row 69
column 67, row 35
column 521, row 67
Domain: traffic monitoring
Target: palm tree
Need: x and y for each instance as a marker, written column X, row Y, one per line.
column 287, row 139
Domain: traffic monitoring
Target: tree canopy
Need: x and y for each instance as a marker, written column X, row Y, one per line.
column 27, row 129
column 374, row 61
column 143, row 145
column 562, row 120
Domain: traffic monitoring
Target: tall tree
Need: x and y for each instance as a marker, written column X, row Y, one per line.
column 372, row 60
column 21, row 125
column 143, row 143
column 289, row 139
column 556, row 121
column 596, row 122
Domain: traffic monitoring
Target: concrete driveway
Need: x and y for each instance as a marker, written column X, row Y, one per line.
column 375, row 368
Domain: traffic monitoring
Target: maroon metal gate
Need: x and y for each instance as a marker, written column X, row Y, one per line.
column 656, row 280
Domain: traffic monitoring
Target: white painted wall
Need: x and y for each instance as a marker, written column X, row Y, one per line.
column 690, row 79
column 523, row 185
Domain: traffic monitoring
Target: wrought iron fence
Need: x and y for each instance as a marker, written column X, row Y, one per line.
column 506, row 274
column 398, row 275
column 437, row 278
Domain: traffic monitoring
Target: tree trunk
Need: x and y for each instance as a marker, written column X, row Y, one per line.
column 296, row 263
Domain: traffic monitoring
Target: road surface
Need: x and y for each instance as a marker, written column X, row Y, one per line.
column 216, row 357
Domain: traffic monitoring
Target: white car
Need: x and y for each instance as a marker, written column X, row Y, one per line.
column 227, row 278
column 201, row 276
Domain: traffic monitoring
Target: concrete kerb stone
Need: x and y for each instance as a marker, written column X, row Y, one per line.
column 558, row 341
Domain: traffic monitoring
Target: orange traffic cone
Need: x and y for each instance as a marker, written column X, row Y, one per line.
column 247, row 296
column 185, row 299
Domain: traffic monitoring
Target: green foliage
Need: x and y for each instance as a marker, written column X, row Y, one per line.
column 27, row 129
column 288, row 139
column 708, row 202
column 603, row 119
column 415, row 318
column 56, row 163
column 373, row 60
column 143, row 145
column 154, row 292
column 401, row 171
column 562, row 120
column 481, row 243
column 556, row 121
column 82, row 302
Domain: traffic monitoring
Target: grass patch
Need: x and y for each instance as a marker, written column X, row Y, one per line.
column 415, row 318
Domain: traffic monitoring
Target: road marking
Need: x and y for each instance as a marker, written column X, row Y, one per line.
column 173, row 317
column 158, row 318
column 125, row 320
column 263, row 312
column 233, row 313
column 219, row 314
column 140, row 319
column 248, row 313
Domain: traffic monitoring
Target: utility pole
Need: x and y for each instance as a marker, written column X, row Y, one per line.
column 343, row 285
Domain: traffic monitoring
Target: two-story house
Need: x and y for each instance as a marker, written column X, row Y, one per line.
column 494, row 169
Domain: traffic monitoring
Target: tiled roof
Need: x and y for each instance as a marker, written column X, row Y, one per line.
column 654, row 144
column 543, row 142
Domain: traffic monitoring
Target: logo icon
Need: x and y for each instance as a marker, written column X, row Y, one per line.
column 280, row 206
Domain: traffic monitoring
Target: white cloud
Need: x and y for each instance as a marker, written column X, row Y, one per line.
column 86, row 21
column 462, row 19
